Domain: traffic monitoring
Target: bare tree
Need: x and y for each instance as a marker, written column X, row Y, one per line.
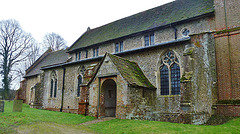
column 13, row 44
column 54, row 41
column 32, row 54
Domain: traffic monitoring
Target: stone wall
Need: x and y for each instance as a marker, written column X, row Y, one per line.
column 141, row 103
column 21, row 92
column 163, row 35
column 198, row 90
column 71, row 100
column 31, row 82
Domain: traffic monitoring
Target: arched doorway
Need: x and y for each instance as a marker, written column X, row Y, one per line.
column 109, row 88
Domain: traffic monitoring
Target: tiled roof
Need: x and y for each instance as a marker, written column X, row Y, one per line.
column 131, row 72
column 175, row 11
column 55, row 57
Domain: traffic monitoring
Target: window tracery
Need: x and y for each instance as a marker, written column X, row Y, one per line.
column 169, row 74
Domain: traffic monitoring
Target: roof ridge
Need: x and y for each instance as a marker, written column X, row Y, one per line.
column 129, row 16
column 175, row 12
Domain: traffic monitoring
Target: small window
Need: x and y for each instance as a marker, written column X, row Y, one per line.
column 149, row 39
column 51, row 89
column 55, row 88
column 185, row 32
column 116, row 48
column 95, row 51
column 86, row 56
column 79, row 55
column 78, row 85
column 76, row 56
column 53, row 85
column 119, row 47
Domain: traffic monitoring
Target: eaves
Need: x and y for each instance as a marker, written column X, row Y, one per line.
column 120, row 53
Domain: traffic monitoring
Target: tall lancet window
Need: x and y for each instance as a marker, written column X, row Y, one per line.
column 169, row 74
column 53, row 84
column 78, row 85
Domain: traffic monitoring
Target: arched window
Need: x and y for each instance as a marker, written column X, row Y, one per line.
column 53, row 86
column 169, row 74
column 164, row 80
column 51, row 89
column 78, row 85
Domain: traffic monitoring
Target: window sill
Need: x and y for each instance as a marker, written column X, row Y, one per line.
column 166, row 96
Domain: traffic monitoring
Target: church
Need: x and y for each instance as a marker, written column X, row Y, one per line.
column 178, row 62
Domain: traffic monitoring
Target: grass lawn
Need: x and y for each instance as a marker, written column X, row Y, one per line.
column 43, row 121
column 137, row 127
column 10, row 120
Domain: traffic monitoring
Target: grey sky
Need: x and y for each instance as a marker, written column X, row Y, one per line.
column 70, row 18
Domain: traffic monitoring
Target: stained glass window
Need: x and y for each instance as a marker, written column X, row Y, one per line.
column 170, row 74
column 175, row 79
column 164, row 80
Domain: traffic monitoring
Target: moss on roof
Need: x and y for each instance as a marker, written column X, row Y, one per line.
column 131, row 72
column 160, row 16
column 55, row 57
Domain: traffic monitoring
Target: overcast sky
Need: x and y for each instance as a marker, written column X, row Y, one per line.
column 70, row 18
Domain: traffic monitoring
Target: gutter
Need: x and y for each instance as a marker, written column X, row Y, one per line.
column 64, row 71
column 120, row 53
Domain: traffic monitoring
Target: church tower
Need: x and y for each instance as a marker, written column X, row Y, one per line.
column 227, row 38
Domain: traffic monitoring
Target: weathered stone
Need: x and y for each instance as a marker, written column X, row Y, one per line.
column 195, row 57
column 17, row 105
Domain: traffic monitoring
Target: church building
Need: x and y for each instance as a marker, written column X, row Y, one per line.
column 179, row 62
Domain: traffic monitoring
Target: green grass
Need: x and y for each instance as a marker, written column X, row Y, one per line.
column 43, row 121
column 10, row 120
column 135, row 126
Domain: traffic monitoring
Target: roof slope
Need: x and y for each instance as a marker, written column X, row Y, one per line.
column 160, row 16
column 131, row 72
column 52, row 58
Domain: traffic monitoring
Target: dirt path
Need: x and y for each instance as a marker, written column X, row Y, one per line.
column 54, row 128
column 97, row 121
